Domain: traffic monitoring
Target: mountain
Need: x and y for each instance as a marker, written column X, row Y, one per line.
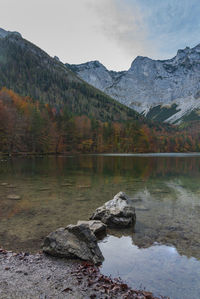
column 164, row 90
column 29, row 71
column 46, row 108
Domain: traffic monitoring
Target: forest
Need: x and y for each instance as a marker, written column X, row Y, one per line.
column 30, row 126
column 29, row 71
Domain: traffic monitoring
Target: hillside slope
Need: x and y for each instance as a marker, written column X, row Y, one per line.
column 29, row 71
column 28, row 126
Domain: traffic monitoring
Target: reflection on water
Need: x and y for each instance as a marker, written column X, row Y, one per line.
column 159, row 268
column 56, row 191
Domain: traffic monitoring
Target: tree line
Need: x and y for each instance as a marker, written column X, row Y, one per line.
column 30, row 126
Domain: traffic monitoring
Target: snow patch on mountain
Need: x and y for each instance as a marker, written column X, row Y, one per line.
column 186, row 106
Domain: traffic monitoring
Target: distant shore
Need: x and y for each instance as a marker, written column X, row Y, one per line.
column 147, row 154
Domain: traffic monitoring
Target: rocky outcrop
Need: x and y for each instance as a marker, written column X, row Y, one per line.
column 118, row 212
column 4, row 33
column 73, row 241
column 165, row 90
column 96, row 226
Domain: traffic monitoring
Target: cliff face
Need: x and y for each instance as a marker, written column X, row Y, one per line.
column 167, row 90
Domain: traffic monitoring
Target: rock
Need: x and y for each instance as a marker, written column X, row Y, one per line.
column 57, row 58
column 66, row 185
column 44, row 189
column 13, row 196
column 73, row 241
column 96, row 226
column 118, row 212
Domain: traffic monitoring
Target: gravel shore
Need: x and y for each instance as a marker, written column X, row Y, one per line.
column 25, row 276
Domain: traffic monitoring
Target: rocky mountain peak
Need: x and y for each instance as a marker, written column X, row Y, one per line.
column 140, row 60
column 91, row 65
column 187, row 57
column 4, row 33
column 182, row 53
column 57, row 58
column 95, row 64
column 197, row 48
column 152, row 86
column 140, row 63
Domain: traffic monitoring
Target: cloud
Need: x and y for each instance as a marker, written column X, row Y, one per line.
column 124, row 24
column 154, row 28
column 173, row 24
column 112, row 31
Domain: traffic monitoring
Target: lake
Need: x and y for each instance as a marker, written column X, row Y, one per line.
column 161, row 253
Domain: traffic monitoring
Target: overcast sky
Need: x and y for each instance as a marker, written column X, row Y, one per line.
column 111, row 31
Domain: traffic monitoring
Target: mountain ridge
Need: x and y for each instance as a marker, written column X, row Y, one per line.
column 166, row 84
column 30, row 71
column 4, row 33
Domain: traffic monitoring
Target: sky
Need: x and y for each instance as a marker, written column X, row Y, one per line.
column 114, row 32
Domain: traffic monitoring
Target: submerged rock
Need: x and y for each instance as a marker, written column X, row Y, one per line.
column 118, row 212
column 73, row 241
column 96, row 226
column 66, row 185
column 13, row 196
column 10, row 186
column 44, row 189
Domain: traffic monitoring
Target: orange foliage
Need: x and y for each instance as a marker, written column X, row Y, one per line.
column 29, row 126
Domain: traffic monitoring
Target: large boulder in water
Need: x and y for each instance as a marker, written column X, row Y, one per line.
column 73, row 241
column 118, row 212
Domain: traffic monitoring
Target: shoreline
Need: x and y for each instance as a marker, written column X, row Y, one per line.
column 39, row 276
column 66, row 154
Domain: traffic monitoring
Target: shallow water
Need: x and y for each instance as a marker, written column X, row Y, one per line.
column 162, row 252
column 159, row 268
